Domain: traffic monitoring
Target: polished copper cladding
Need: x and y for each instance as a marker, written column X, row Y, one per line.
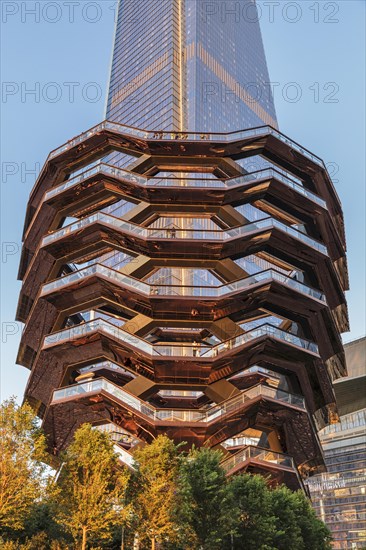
column 184, row 293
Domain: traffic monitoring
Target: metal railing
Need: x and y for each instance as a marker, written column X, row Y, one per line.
column 190, row 234
column 124, row 456
column 126, row 175
column 180, row 290
column 205, row 416
column 107, row 365
column 186, row 136
column 257, row 453
column 240, row 441
column 175, row 350
column 116, row 433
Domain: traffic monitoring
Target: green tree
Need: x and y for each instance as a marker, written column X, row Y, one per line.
column 251, row 521
column 315, row 533
column 154, row 492
column 41, row 523
column 175, row 500
column 90, row 487
column 22, row 471
column 37, row 542
column 297, row 527
column 203, row 493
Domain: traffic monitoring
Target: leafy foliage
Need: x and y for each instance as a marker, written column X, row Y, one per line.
column 91, row 490
column 173, row 500
column 251, row 522
column 22, row 471
column 154, row 491
column 297, row 527
column 203, row 488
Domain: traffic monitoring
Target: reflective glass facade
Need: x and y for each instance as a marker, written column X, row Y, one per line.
column 189, row 64
column 339, row 496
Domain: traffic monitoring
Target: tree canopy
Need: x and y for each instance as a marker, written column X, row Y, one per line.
column 173, row 500
column 21, row 464
column 154, row 491
column 90, row 499
column 203, row 490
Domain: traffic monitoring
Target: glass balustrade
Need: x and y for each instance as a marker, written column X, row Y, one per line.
column 99, row 217
column 197, row 183
column 300, row 236
column 84, row 329
column 105, row 272
column 189, row 136
column 271, row 223
column 124, row 456
column 120, row 437
column 117, row 434
column 78, row 389
column 275, row 174
column 190, row 234
column 107, row 170
column 173, row 415
column 267, row 372
column 240, row 441
column 181, row 393
column 176, row 350
column 180, row 290
column 257, row 453
column 71, row 182
column 101, row 168
column 104, row 365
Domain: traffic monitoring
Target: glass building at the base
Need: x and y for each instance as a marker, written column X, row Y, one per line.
column 339, row 496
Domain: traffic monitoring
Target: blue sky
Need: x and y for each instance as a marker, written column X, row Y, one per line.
column 54, row 69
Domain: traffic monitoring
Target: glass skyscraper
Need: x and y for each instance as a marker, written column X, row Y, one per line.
column 194, row 65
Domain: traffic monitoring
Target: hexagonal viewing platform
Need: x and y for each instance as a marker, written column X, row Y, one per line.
column 169, row 287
